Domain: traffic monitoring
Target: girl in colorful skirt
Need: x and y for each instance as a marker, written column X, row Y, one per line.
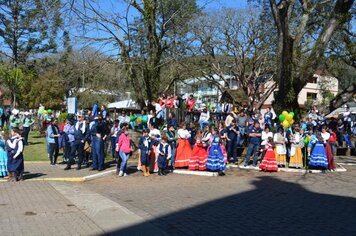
column 15, row 165
column 184, row 150
column 296, row 157
column 3, row 155
column 215, row 161
column 318, row 157
column 199, row 156
column 269, row 162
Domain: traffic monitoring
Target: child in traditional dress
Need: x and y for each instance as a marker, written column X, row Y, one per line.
column 145, row 150
column 15, row 165
column 164, row 154
column 199, row 156
column 296, row 157
column 269, row 162
column 3, row 155
column 215, row 161
column 318, row 157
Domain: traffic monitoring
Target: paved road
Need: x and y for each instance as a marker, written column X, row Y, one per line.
column 36, row 208
column 241, row 203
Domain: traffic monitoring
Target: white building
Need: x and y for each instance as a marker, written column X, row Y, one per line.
column 204, row 90
column 312, row 90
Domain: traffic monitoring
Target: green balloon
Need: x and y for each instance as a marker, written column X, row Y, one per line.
column 291, row 113
column 305, row 141
column 49, row 111
column 282, row 117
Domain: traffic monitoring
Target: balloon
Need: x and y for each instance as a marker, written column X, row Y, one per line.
column 292, row 114
column 49, row 111
column 308, row 138
column 45, row 112
column 291, row 122
column 132, row 118
column 285, row 113
column 305, row 141
column 282, row 117
column 289, row 118
column 285, row 124
column 139, row 120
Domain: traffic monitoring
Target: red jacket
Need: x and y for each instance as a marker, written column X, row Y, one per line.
column 332, row 137
column 190, row 104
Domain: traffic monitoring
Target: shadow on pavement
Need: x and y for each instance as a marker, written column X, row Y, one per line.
column 28, row 175
column 274, row 207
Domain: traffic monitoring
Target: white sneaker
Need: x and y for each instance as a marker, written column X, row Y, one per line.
column 121, row 173
column 125, row 175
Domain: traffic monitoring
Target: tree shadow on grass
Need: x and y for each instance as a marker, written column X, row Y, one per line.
column 274, row 207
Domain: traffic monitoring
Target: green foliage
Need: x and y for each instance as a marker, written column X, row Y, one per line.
column 46, row 89
column 62, row 117
column 28, row 27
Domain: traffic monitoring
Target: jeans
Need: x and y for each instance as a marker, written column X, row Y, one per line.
column 66, row 151
column 242, row 136
column 173, row 152
column 124, row 158
column 333, row 147
column 53, row 151
column 203, row 124
column 252, row 150
column 232, row 149
column 77, row 147
column 26, row 131
column 113, row 146
column 98, row 158
column 347, row 140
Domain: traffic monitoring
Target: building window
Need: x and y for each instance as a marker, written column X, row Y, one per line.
column 313, row 80
column 311, row 96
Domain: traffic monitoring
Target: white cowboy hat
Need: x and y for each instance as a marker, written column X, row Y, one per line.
column 15, row 111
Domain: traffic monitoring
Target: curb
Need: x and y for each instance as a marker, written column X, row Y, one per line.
column 290, row 170
column 98, row 175
column 198, row 173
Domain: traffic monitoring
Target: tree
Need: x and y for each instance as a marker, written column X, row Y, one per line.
column 14, row 80
column 142, row 41
column 298, row 24
column 233, row 42
column 28, row 27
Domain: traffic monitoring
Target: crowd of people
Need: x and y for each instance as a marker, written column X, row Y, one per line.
column 208, row 142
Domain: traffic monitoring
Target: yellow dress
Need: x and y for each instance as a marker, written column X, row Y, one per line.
column 280, row 150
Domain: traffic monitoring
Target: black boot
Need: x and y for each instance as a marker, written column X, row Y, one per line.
column 67, row 167
column 164, row 171
column 160, row 172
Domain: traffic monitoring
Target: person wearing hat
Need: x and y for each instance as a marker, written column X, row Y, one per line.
column 15, row 119
column 81, row 134
column 27, row 122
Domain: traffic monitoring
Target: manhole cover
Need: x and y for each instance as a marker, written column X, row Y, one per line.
column 30, row 213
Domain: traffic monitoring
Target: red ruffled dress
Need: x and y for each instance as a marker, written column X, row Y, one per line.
column 269, row 162
column 198, row 158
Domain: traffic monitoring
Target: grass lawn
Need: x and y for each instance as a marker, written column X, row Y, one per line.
column 36, row 150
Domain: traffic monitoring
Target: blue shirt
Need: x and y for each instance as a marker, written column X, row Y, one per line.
column 173, row 122
column 255, row 140
column 268, row 118
column 231, row 134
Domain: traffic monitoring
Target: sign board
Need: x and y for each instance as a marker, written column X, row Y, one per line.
column 72, row 105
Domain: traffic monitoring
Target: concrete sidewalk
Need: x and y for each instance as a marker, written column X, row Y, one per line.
column 60, row 208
